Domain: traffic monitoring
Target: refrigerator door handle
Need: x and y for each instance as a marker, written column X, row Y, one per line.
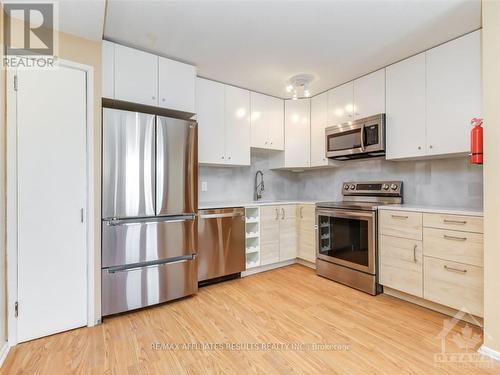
column 136, row 266
column 152, row 220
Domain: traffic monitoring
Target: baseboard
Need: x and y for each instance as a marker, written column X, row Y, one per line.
column 3, row 352
column 306, row 263
column 473, row 319
column 484, row 350
column 268, row 267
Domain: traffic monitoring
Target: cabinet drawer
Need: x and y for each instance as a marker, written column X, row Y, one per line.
column 454, row 222
column 454, row 284
column 401, row 224
column 463, row 247
column 401, row 264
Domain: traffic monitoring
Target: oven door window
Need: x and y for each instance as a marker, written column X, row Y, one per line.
column 346, row 239
column 344, row 141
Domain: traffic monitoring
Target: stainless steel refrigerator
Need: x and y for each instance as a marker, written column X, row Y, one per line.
column 149, row 206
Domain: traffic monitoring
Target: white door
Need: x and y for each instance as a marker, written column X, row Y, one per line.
column 176, row 85
column 341, row 104
column 210, row 117
column 369, row 95
column 51, row 154
column 237, row 125
column 405, row 108
column 275, row 115
column 136, row 76
column 108, row 70
column 267, row 122
column 453, row 94
column 297, row 133
column 319, row 118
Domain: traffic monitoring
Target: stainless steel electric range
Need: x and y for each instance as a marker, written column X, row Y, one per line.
column 346, row 243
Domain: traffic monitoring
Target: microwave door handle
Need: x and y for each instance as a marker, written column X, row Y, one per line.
column 362, row 136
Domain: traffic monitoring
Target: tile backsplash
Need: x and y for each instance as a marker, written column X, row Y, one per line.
column 450, row 182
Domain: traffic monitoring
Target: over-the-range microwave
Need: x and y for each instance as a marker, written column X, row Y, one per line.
column 357, row 139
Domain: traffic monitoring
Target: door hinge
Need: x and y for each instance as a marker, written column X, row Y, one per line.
column 15, row 83
column 16, row 309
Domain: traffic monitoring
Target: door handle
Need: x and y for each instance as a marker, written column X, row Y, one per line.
column 282, row 213
column 217, row 216
column 300, row 212
column 399, row 217
column 81, row 215
column 451, row 269
column 448, row 221
column 454, row 238
column 277, row 214
column 362, row 134
column 415, row 253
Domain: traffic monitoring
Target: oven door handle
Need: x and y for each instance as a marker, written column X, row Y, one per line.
column 346, row 214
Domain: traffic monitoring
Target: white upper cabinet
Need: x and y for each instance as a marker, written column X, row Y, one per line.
column 136, row 76
column 405, row 108
column 369, row 94
column 176, row 88
column 267, row 122
column 237, row 126
column 341, row 104
column 108, row 70
column 210, row 117
column 297, row 152
column 319, row 120
column 223, row 115
column 453, row 94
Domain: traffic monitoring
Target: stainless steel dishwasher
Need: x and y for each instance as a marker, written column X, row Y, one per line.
column 221, row 242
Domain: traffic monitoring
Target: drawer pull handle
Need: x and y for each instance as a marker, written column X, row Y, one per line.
column 454, row 269
column 445, row 236
column 460, row 222
column 399, row 217
column 415, row 253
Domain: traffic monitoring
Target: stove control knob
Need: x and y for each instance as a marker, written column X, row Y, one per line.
column 353, row 187
column 346, row 187
column 394, row 186
column 385, row 187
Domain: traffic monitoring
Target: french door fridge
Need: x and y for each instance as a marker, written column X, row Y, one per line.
column 149, row 206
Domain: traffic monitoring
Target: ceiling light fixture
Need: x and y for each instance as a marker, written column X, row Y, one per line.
column 298, row 86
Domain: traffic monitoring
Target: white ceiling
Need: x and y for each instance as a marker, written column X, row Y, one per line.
column 83, row 18
column 260, row 44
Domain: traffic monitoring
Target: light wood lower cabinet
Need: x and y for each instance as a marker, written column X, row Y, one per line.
column 288, row 232
column 278, row 233
column 453, row 284
column 438, row 257
column 269, row 235
column 401, row 264
column 306, row 248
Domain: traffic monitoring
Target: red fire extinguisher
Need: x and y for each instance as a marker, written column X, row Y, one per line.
column 476, row 141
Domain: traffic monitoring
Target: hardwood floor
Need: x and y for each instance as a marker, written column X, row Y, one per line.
column 289, row 305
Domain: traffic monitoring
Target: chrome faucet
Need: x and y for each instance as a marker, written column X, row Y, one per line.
column 258, row 187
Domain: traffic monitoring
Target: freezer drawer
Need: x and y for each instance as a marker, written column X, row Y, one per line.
column 150, row 239
column 221, row 237
column 176, row 166
column 128, row 165
column 139, row 287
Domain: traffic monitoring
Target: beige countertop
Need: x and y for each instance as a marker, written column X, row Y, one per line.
column 209, row 205
column 433, row 209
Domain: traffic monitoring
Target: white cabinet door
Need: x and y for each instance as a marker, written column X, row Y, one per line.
column 453, row 94
column 176, row 85
column 341, row 104
column 136, row 76
column 297, row 133
column 405, row 108
column 210, row 117
column 319, row 118
column 108, row 70
column 369, row 95
column 288, row 232
column 267, row 122
column 237, row 125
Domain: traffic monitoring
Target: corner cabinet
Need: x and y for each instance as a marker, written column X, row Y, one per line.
column 267, row 122
column 297, row 153
column 223, row 115
column 431, row 99
column 139, row 77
